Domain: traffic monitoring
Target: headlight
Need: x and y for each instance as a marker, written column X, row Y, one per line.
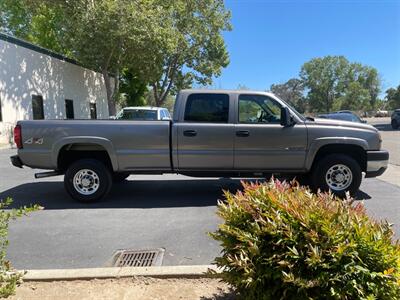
column 380, row 139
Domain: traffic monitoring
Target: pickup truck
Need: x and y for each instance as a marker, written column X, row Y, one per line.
column 217, row 133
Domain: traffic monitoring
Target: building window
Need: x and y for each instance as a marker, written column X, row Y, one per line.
column 37, row 107
column 1, row 115
column 93, row 111
column 69, row 108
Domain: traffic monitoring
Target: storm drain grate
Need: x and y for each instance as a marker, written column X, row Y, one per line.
column 139, row 258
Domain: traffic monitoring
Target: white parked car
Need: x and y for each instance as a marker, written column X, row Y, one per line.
column 143, row 113
column 382, row 113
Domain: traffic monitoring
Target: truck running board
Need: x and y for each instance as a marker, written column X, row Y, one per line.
column 47, row 174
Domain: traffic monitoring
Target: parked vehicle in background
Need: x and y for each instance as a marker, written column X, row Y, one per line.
column 143, row 113
column 344, row 116
column 381, row 113
column 214, row 133
column 395, row 119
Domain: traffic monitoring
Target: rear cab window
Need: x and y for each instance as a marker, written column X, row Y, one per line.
column 207, row 108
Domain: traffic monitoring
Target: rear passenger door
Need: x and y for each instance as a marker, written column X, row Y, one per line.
column 205, row 133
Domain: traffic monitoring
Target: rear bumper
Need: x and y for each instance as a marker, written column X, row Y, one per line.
column 16, row 161
column 377, row 163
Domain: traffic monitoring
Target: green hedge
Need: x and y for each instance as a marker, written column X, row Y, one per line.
column 280, row 241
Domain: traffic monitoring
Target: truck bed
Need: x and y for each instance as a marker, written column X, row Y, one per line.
column 132, row 145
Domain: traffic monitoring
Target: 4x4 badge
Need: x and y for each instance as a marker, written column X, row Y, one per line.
column 38, row 141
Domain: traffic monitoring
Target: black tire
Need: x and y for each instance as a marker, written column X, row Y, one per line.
column 395, row 125
column 119, row 177
column 91, row 170
column 319, row 176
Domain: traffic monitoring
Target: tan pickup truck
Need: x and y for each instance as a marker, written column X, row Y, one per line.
column 218, row 133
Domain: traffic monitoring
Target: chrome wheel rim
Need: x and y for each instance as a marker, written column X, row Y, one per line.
column 86, row 182
column 339, row 177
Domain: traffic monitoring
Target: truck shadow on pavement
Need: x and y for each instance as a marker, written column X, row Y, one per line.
column 132, row 194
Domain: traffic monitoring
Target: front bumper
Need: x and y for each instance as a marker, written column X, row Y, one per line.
column 377, row 163
column 16, row 161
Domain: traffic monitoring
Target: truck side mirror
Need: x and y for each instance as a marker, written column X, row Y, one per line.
column 286, row 118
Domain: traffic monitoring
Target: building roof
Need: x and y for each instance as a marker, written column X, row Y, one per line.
column 36, row 48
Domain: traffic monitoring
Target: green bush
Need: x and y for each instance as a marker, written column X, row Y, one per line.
column 9, row 278
column 280, row 241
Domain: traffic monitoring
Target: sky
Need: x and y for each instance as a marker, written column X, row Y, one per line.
column 271, row 39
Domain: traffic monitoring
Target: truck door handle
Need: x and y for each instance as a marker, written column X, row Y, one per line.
column 190, row 133
column 242, row 133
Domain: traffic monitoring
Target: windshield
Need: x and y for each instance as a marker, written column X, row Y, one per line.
column 137, row 114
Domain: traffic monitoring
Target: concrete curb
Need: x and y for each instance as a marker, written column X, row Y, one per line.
column 103, row 273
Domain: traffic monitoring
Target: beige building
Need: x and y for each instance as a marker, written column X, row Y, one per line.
column 36, row 83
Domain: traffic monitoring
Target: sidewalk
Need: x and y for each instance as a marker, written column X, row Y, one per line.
column 391, row 175
column 140, row 288
column 5, row 146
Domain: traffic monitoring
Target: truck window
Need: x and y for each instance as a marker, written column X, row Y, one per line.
column 208, row 108
column 259, row 109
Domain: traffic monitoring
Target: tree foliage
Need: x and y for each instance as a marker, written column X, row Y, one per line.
column 166, row 44
column 132, row 89
column 291, row 91
column 196, row 52
column 393, row 97
column 334, row 82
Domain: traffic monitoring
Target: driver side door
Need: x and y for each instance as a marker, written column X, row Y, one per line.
column 261, row 142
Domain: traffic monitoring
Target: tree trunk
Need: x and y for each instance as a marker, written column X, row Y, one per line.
column 110, row 93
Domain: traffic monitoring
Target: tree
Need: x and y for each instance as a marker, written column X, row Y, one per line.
column 167, row 44
column 33, row 21
column 393, row 97
column 324, row 79
column 132, row 89
column 197, row 50
column 333, row 81
column 111, row 35
column 354, row 98
column 291, row 91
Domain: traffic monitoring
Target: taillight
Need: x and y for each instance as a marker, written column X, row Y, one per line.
column 18, row 136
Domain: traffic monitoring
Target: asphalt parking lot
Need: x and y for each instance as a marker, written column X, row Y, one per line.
column 170, row 211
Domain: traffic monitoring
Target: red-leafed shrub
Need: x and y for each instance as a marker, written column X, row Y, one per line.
column 280, row 241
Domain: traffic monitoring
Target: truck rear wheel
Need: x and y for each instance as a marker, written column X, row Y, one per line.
column 87, row 180
column 337, row 172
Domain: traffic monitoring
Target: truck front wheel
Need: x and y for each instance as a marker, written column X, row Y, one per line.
column 337, row 172
column 87, row 180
